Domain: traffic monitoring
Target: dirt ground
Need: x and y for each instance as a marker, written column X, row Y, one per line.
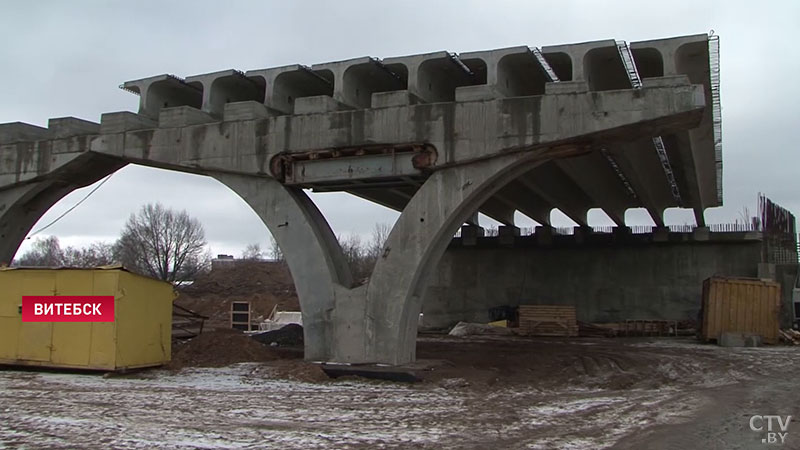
column 265, row 284
column 499, row 392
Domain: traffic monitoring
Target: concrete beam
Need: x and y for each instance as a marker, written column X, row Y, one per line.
column 640, row 164
column 550, row 183
column 526, row 201
column 227, row 86
column 284, row 85
column 595, row 177
column 66, row 127
column 355, row 80
column 123, row 121
column 163, row 91
column 498, row 210
column 11, row 133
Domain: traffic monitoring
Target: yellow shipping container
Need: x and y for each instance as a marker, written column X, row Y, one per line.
column 140, row 335
column 740, row 305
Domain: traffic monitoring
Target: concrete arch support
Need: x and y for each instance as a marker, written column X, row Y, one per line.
column 311, row 251
column 418, row 241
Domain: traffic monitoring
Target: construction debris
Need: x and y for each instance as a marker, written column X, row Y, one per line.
column 595, row 330
column 288, row 335
column 789, row 336
column 468, row 329
column 548, row 320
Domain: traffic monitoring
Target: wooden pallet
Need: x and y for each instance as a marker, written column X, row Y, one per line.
column 548, row 320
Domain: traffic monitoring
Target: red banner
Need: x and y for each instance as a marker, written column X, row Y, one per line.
column 66, row 308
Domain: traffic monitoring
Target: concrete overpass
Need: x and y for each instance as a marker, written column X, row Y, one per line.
column 438, row 136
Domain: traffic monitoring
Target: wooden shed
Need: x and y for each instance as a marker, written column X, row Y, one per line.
column 740, row 305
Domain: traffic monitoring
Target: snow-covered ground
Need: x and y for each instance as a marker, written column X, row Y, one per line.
column 246, row 406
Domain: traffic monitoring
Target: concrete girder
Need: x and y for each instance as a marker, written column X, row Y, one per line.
column 498, row 210
column 227, row 86
column 284, row 85
column 460, row 132
column 688, row 56
column 642, row 168
column 434, row 77
column 312, row 253
column 679, row 146
column 526, row 201
column 552, row 184
column 595, row 177
column 355, row 80
column 388, row 198
column 163, row 91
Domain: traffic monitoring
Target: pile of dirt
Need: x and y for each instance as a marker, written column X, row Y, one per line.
column 264, row 284
column 220, row 348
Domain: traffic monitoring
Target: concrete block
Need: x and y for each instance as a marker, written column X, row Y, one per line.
column 65, row 127
column 581, row 234
column 767, row 271
column 183, row 116
column 249, row 110
column 477, row 93
column 621, row 234
column 672, row 80
column 729, row 339
column 660, row 234
column 20, row 132
column 394, row 98
column 566, row 87
column 470, row 234
column 506, row 234
column 544, row 235
column 753, row 340
column 701, row 234
column 120, row 122
column 318, row 104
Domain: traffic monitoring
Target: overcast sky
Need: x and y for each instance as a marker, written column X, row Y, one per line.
column 67, row 58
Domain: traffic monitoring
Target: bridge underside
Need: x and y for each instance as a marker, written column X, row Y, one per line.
column 438, row 137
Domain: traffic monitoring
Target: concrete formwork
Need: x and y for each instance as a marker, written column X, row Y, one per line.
column 438, row 136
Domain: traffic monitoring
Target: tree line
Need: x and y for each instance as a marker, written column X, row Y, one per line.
column 170, row 245
column 155, row 241
column 360, row 255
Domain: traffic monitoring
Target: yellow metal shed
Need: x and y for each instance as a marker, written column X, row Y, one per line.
column 139, row 336
column 740, row 305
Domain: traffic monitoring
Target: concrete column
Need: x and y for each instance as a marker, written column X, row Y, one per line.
column 416, row 244
column 314, row 257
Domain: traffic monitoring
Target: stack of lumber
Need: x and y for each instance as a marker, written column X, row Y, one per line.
column 790, row 336
column 547, row 320
column 596, row 330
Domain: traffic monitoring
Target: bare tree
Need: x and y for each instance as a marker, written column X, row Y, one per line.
column 374, row 250
column 94, row 255
column 163, row 244
column 44, row 252
column 275, row 250
column 47, row 252
column 252, row 252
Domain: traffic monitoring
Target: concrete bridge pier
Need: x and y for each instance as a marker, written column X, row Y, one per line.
column 376, row 322
column 311, row 251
